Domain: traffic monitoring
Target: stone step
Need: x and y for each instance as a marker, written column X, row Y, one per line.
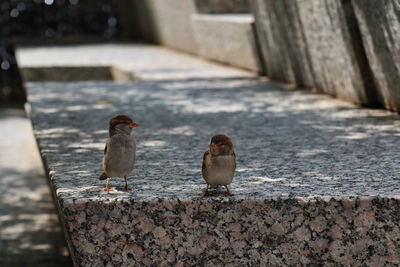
column 228, row 38
column 317, row 179
column 117, row 62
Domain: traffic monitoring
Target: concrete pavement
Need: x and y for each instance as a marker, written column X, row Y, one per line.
column 30, row 234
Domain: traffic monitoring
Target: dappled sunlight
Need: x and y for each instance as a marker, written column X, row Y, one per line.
column 210, row 84
column 37, row 222
column 353, row 136
column 311, row 152
column 185, row 130
column 211, row 106
column 87, row 144
column 262, row 180
column 28, row 221
column 57, row 130
column 153, row 143
column 287, row 142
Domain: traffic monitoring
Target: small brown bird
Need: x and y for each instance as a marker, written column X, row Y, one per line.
column 120, row 151
column 219, row 163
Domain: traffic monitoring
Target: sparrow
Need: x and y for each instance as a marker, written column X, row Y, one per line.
column 120, row 150
column 219, row 163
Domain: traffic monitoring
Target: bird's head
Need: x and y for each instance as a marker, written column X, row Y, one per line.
column 121, row 124
column 221, row 145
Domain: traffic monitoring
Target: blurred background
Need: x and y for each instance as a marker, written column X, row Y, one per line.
column 28, row 22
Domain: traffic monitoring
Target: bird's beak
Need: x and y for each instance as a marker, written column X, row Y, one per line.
column 214, row 146
column 133, row 125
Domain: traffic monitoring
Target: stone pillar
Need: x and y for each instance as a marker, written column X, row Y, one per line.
column 379, row 23
column 309, row 43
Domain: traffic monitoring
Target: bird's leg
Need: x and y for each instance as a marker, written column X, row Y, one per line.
column 206, row 194
column 107, row 187
column 228, row 193
column 126, row 185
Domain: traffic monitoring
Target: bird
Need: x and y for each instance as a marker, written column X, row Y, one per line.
column 120, row 150
column 219, row 163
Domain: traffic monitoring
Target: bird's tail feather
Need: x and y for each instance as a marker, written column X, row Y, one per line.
column 103, row 176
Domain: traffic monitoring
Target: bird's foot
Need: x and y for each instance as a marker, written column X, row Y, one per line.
column 207, row 193
column 107, row 189
column 126, row 188
column 228, row 193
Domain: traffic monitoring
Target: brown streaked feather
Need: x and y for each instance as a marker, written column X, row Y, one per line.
column 206, row 155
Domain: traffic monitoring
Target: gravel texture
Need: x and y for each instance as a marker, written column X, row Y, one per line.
column 317, row 179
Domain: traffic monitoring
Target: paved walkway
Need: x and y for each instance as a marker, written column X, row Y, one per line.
column 30, row 234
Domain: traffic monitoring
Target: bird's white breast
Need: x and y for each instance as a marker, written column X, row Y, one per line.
column 221, row 170
column 120, row 156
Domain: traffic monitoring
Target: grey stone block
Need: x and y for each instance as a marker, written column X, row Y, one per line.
column 312, row 173
column 282, row 41
column 379, row 23
column 167, row 22
column 309, row 43
column 117, row 62
column 227, row 38
column 222, row 6
column 334, row 64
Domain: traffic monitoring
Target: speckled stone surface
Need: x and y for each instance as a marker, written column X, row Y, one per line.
column 317, row 180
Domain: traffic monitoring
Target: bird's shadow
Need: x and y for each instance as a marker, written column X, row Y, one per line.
column 215, row 191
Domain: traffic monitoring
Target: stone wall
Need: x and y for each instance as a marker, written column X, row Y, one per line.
column 167, row 22
column 379, row 23
column 220, row 30
column 348, row 49
column 227, row 38
column 235, row 233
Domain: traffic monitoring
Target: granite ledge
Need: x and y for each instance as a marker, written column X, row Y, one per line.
column 235, row 232
column 296, row 184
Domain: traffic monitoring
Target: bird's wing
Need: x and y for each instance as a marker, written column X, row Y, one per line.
column 206, row 158
column 105, row 149
column 103, row 176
